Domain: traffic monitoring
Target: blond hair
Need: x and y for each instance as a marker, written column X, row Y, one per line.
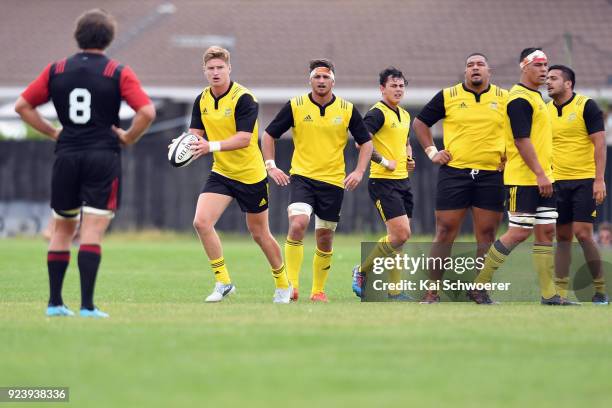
column 216, row 52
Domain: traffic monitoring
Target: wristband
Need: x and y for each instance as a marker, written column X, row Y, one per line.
column 214, row 146
column 384, row 162
column 270, row 164
column 431, row 151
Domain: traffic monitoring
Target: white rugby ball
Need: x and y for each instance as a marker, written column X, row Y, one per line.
column 180, row 153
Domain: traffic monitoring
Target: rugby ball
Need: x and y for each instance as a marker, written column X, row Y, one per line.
column 180, row 153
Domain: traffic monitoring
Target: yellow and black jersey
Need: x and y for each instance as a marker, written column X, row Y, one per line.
column 319, row 136
column 221, row 118
column 527, row 117
column 474, row 125
column 573, row 149
column 390, row 130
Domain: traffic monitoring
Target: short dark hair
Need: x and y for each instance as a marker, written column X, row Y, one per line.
column 390, row 72
column 528, row 51
column 475, row 54
column 567, row 73
column 322, row 62
column 95, row 29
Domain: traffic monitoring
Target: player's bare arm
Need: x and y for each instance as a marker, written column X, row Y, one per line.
column 32, row 117
column 425, row 138
column 268, row 146
column 365, row 153
column 141, row 122
column 528, row 153
column 599, row 185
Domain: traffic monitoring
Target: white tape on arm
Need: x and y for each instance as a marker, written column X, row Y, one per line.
column 214, row 146
column 270, row 164
column 431, row 151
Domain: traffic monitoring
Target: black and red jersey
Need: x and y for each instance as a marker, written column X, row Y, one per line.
column 86, row 90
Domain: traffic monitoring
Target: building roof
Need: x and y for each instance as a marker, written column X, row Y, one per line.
column 272, row 40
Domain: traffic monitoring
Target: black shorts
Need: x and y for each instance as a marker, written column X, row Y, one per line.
column 252, row 198
column 464, row 188
column 89, row 178
column 392, row 198
column 575, row 201
column 324, row 198
column 527, row 199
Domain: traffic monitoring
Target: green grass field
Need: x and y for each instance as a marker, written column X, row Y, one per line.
column 164, row 347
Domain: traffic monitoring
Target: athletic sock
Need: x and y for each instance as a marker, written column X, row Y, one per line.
column 220, row 270
column 57, row 263
column 493, row 260
column 599, row 285
column 294, row 256
column 321, row 264
column 280, row 277
column 543, row 260
column 89, row 262
column 562, row 285
column 382, row 249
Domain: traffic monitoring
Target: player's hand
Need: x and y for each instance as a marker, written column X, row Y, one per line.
column 599, row 191
column 410, row 165
column 352, row 180
column 120, row 135
column 442, row 157
column 200, row 149
column 279, row 176
column 392, row 165
column 544, row 186
column 502, row 164
column 56, row 134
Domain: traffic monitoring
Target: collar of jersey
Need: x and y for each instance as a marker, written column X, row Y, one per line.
column 322, row 107
column 560, row 107
column 476, row 95
column 217, row 99
column 396, row 111
column 530, row 89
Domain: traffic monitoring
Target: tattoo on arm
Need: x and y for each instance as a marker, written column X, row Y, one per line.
column 376, row 157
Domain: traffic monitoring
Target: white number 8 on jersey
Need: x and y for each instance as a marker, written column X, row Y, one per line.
column 80, row 106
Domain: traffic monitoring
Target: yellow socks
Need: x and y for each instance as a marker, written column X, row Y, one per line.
column 544, row 265
column 294, row 255
column 321, row 263
column 494, row 259
column 220, row 270
column 599, row 285
column 381, row 250
column 280, row 277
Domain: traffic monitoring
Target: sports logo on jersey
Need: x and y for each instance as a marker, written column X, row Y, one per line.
column 494, row 105
column 463, row 105
column 228, row 112
column 307, row 118
column 594, row 214
column 572, row 117
column 337, row 120
column 205, row 112
column 263, row 202
column 394, row 125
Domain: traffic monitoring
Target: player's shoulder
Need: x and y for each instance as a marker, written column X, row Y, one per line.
column 581, row 100
column 499, row 91
column 344, row 104
column 452, row 91
column 238, row 90
column 378, row 106
column 299, row 100
column 519, row 92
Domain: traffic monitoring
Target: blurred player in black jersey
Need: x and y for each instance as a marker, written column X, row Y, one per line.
column 86, row 89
